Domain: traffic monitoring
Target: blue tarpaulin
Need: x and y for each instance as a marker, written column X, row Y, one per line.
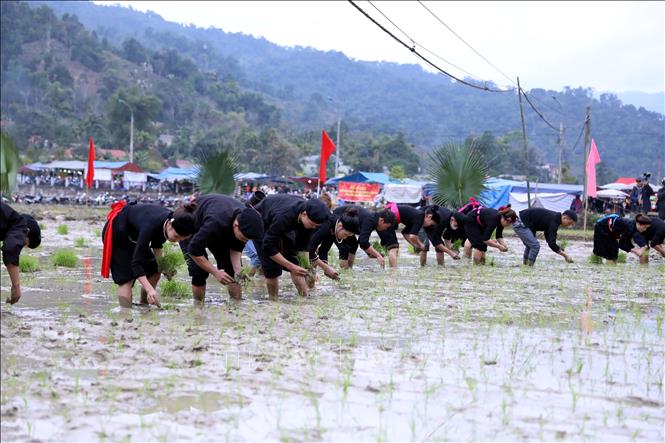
column 499, row 190
column 363, row 177
column 172, row 174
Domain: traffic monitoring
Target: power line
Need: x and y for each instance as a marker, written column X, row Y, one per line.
column 413, row 50
column 579, row 137
column 423, row 47
column 464, row 41
column 537, row 111
column 540, row 114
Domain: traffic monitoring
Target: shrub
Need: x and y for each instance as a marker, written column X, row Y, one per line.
column 79, row 242
column 27, row 263
column 66, row 258
column 595, row 259
column 63, row 230
column 176, row 289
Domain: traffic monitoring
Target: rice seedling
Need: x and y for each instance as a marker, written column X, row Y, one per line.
column 42, row 226
column 79, row 242
column 170, row 261
column 595, row 259
column 65, row 258
column 379, row 247
column 62, row 229
column 175, row 289
column 27, row 263
column 621, row 258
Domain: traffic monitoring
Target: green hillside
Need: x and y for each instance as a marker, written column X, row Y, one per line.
column 250, row 94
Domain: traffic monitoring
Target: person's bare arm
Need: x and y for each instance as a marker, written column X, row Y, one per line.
column 14, row 277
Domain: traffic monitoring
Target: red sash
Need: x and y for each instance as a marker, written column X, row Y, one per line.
column 395, row 210
column 108, row 237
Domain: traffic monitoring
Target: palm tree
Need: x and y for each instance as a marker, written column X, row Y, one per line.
column 9, row 164
column 216, row 173
column 459, row 171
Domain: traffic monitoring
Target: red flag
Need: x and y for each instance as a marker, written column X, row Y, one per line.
column 90, row 174
column 327, row 149
column 591, row 162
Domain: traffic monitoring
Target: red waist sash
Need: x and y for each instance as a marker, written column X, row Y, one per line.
column 108, row 237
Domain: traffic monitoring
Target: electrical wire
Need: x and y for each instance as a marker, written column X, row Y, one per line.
column 423, row 47
column 526, row 96
column 413, row 50
column 537, row 111
column 579, row 137
column 464, row 41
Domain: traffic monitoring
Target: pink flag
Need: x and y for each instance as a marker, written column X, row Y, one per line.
column 591, row 162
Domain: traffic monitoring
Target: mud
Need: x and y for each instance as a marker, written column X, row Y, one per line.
column 558, row 352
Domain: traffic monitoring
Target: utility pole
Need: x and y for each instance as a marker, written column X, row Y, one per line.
column 587, row 138
column 560, row 152
column 131, row 130
column 339, row 123
column 560, row 141
column 526, row 150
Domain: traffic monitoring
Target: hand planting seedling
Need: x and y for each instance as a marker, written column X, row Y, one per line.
column 310, row 278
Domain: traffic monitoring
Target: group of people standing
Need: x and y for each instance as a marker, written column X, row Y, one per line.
column 293, row 234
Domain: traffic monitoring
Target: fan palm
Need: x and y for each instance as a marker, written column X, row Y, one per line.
column 9, row 164
column 459, row 171
column 216, row 173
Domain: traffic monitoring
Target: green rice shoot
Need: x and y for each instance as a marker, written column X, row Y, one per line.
column 62, row 229
column 379, row 247
column 65, row 258
column 28, row 263
column 595, row 259
column 170, row 261
column 175, row 289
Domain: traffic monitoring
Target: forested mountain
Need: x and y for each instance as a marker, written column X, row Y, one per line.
column 254, row 95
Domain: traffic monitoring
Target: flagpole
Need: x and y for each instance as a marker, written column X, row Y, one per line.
column 587, row 135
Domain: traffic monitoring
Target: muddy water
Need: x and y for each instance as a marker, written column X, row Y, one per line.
column 561, row 352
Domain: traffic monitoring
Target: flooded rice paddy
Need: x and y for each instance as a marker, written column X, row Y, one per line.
column 560, row 352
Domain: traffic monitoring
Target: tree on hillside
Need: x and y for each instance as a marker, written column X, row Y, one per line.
column 145, row 107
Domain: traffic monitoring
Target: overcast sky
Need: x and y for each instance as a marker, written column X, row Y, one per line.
column 609, row 46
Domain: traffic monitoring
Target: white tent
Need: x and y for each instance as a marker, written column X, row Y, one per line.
column 618, row 186
column 402, row 193
column 102, row 174
column 135, row 177
column 558, row 202
column 611, row 194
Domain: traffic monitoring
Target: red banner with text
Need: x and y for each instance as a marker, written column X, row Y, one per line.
column 358, row 192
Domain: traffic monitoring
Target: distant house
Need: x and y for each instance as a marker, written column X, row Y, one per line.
column 184, row 164
column 113, row 154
